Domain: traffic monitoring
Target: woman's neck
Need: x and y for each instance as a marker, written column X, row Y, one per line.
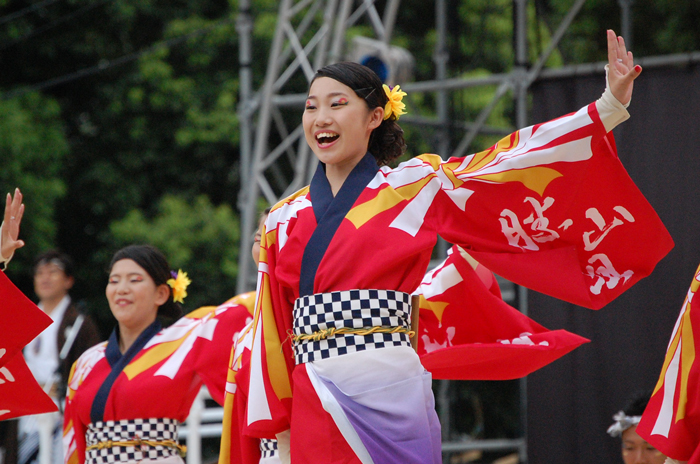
column 128, row 335
column 337, row 174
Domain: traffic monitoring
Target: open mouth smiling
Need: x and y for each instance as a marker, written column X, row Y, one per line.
column 324, row 138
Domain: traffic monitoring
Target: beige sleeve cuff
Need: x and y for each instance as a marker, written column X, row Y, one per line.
column 611, row 111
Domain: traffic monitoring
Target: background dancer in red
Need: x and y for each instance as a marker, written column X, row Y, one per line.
column 236, row 447
column 671, row 421
column 126, row 397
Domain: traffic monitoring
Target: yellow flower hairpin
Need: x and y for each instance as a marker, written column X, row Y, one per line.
column 394, row 106
column 179, row 284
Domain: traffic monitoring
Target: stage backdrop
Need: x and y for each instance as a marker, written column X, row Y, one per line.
column 571, row 402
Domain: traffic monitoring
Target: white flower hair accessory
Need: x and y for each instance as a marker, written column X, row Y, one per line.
column 622, row 423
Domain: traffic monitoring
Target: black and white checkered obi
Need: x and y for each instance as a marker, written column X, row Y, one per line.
column 355, row 309
column 268, row 448
column 154, row 430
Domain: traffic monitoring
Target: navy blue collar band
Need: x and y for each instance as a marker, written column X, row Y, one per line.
column 118, row 362
column 330, row 212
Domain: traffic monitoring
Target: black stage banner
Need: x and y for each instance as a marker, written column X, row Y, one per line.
column 571, row 402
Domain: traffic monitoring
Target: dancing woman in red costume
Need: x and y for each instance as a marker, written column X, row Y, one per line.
column 333, row 375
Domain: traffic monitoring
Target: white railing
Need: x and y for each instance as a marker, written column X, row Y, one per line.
column 46, row 426
column 202, row 422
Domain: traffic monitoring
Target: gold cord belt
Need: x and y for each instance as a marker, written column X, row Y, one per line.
column 136, row 442
column 325, row 333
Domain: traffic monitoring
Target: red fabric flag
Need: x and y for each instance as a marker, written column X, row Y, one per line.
column 467, row 332
column 671, row 421
column 20, row 394
column 21, row 320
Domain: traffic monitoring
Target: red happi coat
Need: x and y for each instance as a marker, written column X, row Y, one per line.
column 20, row 394
column 550, row 207
column 671, row 420
column 466, row 331
column 162, row 379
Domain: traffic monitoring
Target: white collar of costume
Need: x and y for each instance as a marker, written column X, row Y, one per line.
column 59, row 310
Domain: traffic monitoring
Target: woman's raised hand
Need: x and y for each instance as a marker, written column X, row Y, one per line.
column 621, row 69
column 14, row 209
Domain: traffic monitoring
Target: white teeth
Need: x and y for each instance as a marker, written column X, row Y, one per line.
column 325, row 134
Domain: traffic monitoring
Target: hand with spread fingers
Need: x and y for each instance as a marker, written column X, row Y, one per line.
column 621, row 68
column 9, row 242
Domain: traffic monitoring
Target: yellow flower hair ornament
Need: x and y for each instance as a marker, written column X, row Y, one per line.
column 179, row 284
column 394, row 106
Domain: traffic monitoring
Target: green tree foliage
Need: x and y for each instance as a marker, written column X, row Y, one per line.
column 196, row 236
column 33, row 147
column 660, row 27
column 147, row 101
